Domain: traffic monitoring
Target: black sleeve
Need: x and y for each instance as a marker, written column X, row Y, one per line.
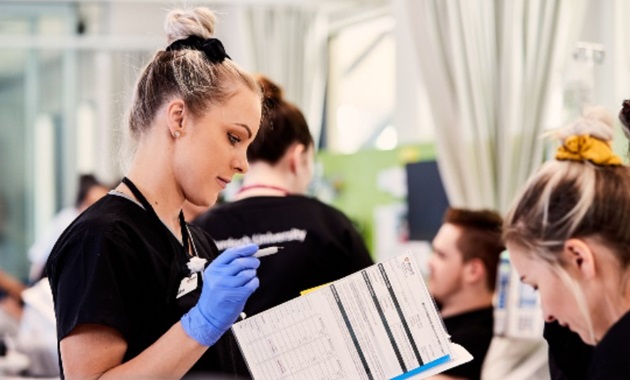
column 350, row 243
column 360, row 256
column 90, row 277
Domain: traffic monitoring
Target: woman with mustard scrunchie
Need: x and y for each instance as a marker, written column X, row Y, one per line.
column 568, row 237
column 588, row 139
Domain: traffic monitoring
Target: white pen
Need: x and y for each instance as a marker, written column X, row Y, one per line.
column 267, row 251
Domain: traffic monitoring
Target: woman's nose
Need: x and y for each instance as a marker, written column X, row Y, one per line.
column 241, row 164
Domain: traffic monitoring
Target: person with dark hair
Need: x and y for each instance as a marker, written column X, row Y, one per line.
column 90, row 189
column 462, row 279
column 319, row 244
column 86, row 194
column 133, row 295
column 568, row 237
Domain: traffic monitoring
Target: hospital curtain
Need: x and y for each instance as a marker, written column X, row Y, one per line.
column 289, row 45
column 488, row 66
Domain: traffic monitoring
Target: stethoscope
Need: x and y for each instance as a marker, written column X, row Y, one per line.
column 195, row 263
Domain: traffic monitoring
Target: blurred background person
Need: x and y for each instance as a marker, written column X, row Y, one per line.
column 30, row 308
column 90, row 189
column 319, row 243
column 11, row 288
column 463, row 272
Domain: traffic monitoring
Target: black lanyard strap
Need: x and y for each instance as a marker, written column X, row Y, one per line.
column 147, row 206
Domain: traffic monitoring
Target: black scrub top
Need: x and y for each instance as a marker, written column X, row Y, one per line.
column 117, row 265
column 611, row 358
column 569, row 356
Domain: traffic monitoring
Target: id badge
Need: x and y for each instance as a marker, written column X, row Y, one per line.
column 187, row 285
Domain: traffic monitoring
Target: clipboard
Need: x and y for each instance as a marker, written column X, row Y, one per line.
column 378, row 323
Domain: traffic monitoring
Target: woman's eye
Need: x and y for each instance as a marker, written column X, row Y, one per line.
column 233, row 139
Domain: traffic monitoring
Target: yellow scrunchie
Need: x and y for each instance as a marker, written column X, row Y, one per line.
column 585, row 147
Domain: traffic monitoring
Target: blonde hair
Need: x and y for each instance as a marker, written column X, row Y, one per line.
column 573, row 199
column 595, row 121
column 185, row 73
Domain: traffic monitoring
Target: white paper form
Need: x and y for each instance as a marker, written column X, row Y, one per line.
column 379, row 323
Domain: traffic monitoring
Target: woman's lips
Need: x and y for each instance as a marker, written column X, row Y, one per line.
column 223, row 182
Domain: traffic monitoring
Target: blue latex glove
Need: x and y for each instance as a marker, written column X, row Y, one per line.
column 227, row 283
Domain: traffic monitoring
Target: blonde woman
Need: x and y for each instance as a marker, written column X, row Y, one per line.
column 568, row 236
column 132, row 297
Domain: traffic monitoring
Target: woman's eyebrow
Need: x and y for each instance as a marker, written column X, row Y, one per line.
column 249, row 131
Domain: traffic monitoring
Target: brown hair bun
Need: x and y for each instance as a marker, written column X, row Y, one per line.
column 271, row 91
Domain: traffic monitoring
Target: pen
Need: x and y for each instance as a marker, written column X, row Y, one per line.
column 267, row 251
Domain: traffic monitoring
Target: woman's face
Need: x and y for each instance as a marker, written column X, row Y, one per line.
column 558, row 301
column 213, row 146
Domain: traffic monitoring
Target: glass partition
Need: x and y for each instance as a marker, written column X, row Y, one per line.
column 35, row 103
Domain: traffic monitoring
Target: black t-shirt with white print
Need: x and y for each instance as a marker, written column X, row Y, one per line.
column 320, row 245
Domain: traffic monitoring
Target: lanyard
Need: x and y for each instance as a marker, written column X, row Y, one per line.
column 279, row 189
column 147, row 206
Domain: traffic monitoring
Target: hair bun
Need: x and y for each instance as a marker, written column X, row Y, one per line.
column 595, row 121
column 598, row 114
column 181, row 24
column 271, row 91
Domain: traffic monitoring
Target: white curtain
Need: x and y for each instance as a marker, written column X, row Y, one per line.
column 289, row 45
column 488, row 66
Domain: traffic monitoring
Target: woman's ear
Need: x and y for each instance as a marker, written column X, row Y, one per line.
column 175, row 117
column 579, row 256
column 296, row 157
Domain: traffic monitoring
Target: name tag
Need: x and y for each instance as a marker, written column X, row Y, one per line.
column 187, row 285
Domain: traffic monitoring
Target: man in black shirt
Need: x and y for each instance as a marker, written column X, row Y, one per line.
column 462, row 279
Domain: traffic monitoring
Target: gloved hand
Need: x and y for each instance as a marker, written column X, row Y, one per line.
column 227, row 283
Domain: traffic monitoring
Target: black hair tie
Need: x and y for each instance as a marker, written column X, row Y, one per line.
column 212, row 47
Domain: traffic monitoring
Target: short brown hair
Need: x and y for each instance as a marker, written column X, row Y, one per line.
column 480, row 238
